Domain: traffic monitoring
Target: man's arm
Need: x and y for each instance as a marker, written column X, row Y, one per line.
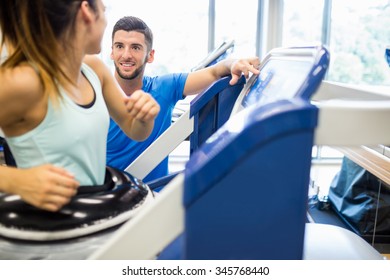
column 199, row 80
column 134, row 114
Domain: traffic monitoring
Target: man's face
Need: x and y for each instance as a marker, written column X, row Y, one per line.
column 130, row 54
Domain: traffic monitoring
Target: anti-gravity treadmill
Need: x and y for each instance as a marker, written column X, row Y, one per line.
column 243, row 194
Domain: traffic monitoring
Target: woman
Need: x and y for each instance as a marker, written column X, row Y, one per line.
column 56, row 97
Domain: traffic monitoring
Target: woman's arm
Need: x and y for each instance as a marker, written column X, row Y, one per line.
column 134, row 114
column 20, row 91
column 47, row 186
column 22, row 106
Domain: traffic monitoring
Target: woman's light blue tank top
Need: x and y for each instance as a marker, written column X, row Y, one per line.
column 70, row 136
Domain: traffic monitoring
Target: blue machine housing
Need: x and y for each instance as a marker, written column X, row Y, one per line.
column 246, row 186
column 246, row 189
column 212, row 108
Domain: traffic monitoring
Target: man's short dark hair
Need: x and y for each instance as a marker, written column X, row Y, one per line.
column 130, row 23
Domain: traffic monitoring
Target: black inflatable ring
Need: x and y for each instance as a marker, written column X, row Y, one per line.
column 93, row 209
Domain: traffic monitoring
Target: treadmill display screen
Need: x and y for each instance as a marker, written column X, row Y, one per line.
column 278, row 79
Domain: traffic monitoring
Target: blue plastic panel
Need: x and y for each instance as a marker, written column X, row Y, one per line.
column 212, row 108
column 246, row 189
column 243, row 132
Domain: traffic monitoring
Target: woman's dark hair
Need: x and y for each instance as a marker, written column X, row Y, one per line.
column 30, row 32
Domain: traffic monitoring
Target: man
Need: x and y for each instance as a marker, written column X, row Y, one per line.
column 132, row 49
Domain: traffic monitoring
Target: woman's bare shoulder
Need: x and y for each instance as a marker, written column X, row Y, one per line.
column 20, row 92
column 95, row 63
column 20, row 81
column 98, row 66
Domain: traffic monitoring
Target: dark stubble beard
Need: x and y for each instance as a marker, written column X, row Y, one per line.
column 132, row 76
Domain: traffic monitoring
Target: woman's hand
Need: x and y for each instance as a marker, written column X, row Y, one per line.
column 47, row 187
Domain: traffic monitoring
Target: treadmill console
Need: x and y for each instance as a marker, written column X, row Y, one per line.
column 284, row 74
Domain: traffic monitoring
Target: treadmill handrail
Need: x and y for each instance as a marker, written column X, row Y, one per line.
column 203, row 98
column 351, row 119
